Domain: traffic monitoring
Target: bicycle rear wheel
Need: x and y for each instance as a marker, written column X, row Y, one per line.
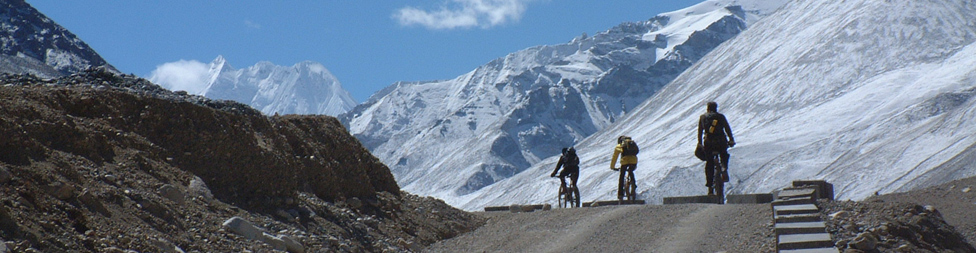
column 561, row 197
column 719, row 180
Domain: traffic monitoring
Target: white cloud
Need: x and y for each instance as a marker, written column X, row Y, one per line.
column 190, row 76
column 251, row 24
column 464, row 14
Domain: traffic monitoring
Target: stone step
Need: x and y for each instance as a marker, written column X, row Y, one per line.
column 708, row 199
column 784, row 228
column 749, row 198
column 795, row 209
column 793, row 201
column 803, row 241
column 808, row 217
column 815, row 250
column 796, row 192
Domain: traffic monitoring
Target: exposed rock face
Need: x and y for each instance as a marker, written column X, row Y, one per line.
column 30, row 42
column 96, row 162
column 247, row 159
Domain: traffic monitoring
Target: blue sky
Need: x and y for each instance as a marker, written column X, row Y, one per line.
column 367, row 45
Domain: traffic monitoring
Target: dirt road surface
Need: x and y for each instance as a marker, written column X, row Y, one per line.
column 635, row 228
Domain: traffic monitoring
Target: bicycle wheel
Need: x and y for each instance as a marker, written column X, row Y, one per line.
column 576, row 197
column 633, row 191
column 719, row 181
column 561, row 197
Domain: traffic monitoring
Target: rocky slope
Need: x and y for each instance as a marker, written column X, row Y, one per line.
column 32, row 43
column 97, row 162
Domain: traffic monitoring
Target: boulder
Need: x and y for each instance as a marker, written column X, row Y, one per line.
column 865, row 241
column 292, row 245
column 170, row 192
column 275, row 242
column 243, row 228
column 354, row 203
column 198, row 188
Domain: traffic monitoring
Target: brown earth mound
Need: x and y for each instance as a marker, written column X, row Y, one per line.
column 98, row 162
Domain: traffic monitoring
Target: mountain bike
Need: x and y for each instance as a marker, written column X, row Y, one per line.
column 720, row 176
column 568, row 196
column 630, row 187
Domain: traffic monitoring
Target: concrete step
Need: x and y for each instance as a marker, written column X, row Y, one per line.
column 708, row 199
column 796, row 192
column 795, row 209
column 808, row 217
column 793, row 201
column 816, row 250
column 803, row 241
column 749, row 198
column 784, row 228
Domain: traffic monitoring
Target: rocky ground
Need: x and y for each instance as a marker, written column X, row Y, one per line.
column 98, row 162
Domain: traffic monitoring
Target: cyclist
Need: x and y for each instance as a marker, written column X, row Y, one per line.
column 627, row 150
column 570, row 164
column 715, row 135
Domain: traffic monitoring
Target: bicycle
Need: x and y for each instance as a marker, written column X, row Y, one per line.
column 568, row 196
column 720, row 176
column 630, row 187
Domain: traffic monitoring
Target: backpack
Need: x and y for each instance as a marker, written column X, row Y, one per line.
column 713, row 127
column 572, row 160
column 629, row 147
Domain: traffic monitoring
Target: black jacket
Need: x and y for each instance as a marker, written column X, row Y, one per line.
column 713, row 127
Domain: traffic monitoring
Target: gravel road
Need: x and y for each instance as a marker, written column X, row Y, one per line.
column 637, row 228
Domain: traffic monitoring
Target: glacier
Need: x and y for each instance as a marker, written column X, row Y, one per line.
column 871, row 96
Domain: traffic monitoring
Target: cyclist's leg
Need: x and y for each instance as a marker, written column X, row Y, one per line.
column 574, row 177
column 620, row 183
column 725, row 164
column 709, row 174
column 633, row 180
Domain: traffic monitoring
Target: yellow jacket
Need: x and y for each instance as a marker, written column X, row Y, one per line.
column 624, row 160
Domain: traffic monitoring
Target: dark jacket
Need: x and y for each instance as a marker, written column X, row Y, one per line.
column 713, row 128
column 569, row 162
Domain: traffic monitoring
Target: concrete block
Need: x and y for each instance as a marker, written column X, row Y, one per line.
column 796, row 192
column 815, row 250
column 749, row 198
column 496, row 208
column 784, row 228
column 795, row 209
column 810, row 217
column 794, row 201
column 803, row 241
column 824, row 190
column 708, row 199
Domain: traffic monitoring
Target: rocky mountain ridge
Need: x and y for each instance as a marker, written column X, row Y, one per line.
column 30, row 42
column 98, row 162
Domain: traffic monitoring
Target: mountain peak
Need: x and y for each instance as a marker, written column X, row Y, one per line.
column 33, row 43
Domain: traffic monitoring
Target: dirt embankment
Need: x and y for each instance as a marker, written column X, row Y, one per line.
column 98, row 162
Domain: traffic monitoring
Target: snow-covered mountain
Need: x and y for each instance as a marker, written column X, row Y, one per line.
column 453, row 137
column 30, row 42
column 305, row 88
column 872, row 96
